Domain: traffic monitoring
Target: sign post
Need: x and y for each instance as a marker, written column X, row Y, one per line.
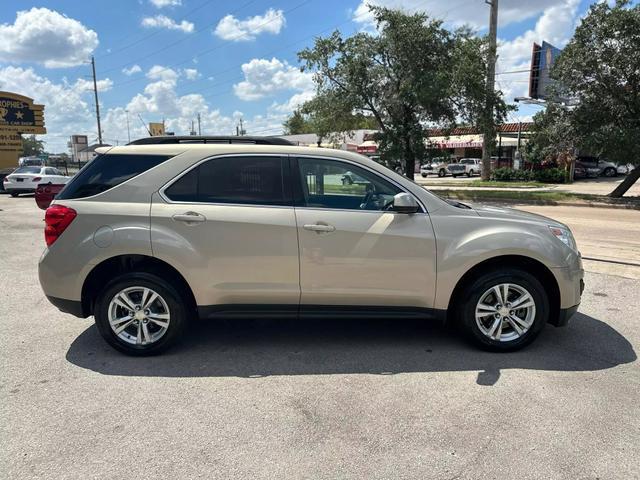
column 18, row 115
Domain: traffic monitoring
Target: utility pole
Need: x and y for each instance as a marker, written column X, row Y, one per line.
column 489, row 133
column 95, row 92
column 242, row 132
column 199, row 129
column 128, row 131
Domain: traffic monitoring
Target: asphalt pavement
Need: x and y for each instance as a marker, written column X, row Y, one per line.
column 317, row 400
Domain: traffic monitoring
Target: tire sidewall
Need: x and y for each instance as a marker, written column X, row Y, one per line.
column 466, row 314
column 168, row 292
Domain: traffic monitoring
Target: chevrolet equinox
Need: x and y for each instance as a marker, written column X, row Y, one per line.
column 149, row 235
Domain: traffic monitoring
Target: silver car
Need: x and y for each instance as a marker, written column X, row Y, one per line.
column 153, row 234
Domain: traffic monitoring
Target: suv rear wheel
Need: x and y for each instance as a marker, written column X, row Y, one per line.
column 140, row 314
column 504, row 310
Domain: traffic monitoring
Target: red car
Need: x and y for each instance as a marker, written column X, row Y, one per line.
column 45, row 193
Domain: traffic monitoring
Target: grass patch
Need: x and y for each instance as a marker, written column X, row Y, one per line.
column 487, row 184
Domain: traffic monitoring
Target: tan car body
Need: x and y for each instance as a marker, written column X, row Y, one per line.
column 260, row 255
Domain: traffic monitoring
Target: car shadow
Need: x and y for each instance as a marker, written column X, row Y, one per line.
column 259, row 348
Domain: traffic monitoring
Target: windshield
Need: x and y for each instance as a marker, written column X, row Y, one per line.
column 28, row 170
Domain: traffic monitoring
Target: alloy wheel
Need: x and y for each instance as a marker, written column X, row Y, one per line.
column 139, row 315
column 505, row 312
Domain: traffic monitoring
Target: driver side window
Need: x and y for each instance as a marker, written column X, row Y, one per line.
column 340, row 185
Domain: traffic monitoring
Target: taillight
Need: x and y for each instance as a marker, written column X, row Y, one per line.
column 57, row 218
column 36, row 179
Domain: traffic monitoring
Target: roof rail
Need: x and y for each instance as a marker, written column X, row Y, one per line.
column 211, row 139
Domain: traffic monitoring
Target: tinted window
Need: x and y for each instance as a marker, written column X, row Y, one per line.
column 106, row 171
column 27, row 170
column 335, row 184
column 242, row 180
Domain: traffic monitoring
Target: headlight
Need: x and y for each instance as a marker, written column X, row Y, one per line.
column 565, row 236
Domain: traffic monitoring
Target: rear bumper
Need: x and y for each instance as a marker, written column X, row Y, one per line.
column 19, row 187
column 73, row 307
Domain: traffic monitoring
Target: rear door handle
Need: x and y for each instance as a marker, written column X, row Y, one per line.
column 189, row 217
column 320, row 227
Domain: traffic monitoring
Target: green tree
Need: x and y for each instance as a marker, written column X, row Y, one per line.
column 553, row 137
column 297, row 123
column 600, row 70
column 411, row 74
column 32, row 146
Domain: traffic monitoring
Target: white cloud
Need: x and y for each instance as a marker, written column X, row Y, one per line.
column 474, row 13
column 230, row 28
column 293, row 103
column 166, row 3
column 45, row 36
column 83, row 85
column 191, row 73
column 68, row 107
column 264, row 77
column 555, row 25
column 162, row 21
column 131, row 70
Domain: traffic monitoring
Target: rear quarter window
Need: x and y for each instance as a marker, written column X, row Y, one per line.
column 107, row 171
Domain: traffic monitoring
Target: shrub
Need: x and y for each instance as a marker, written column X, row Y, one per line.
column 511, row 175
column 550, row 175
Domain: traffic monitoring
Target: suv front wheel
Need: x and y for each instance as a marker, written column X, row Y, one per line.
column 504, row 310
column 140, row 314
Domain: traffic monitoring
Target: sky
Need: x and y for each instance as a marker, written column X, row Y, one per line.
column 225, row 60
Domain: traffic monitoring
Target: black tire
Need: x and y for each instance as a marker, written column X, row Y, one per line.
column 441, row 172
column 469, row 173
column 465, row 313
column 610, row 172
column 424, row 175
column 14, row 194
column 176, row 301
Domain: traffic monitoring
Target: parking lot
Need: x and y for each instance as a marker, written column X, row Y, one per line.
column 324, row 399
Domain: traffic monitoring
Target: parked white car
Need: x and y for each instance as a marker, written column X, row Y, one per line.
column 27, row 179
column 466, row 166
column 438, row 166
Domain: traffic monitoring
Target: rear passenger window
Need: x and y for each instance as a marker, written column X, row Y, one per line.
column 107, row 171
column 255, row 180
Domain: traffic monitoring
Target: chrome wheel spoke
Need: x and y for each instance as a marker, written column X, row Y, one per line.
column 494, row 327
column 124, row 301
column 150, row 301
column 160, row 322
column 115, row 322
column 523, row 324
column 139, row 334
column 523, row 302
column 515, row 326
column 122, row 327
column 146, row 336
column 498, row 294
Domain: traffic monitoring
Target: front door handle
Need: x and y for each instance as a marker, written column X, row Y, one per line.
column 189, row 217
column 320, row 227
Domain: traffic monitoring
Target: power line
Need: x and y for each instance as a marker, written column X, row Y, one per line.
column 146, row 37
column 207, row 51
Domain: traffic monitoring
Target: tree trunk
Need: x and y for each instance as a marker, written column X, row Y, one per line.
column 627, row 183
column 409, row 161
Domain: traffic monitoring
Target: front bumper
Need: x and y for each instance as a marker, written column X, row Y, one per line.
column 563, row 316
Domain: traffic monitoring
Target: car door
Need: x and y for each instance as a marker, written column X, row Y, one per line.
column 228, row 225
column 354, row 251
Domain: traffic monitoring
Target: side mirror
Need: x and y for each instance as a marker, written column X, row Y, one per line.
column 405, row 203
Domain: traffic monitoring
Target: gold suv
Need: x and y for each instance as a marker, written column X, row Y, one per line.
column 152, row 234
